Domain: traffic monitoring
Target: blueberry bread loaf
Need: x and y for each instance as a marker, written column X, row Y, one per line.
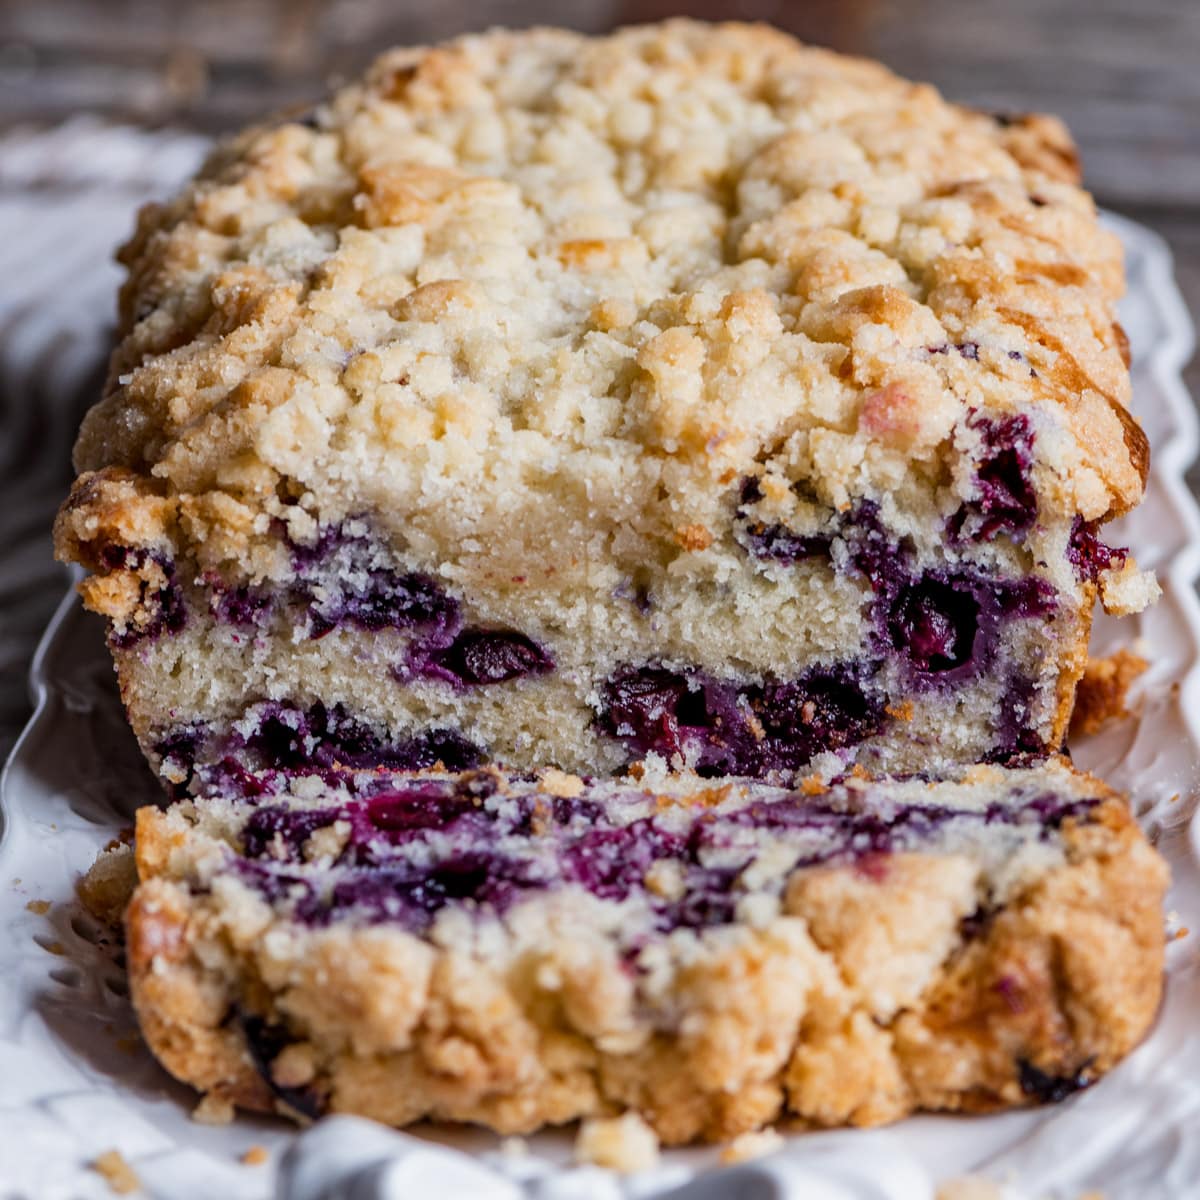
column 712, row 956
column 544, row 399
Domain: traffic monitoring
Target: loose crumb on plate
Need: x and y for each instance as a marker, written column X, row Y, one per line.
column 105, row 888
column 40, row 907
column 624, row 1143
column 120, row 1176
column 255, row 1156
column 1103, row 690
column 748, row 1146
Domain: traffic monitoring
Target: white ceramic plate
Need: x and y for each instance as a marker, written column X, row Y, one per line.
column 75, row 1081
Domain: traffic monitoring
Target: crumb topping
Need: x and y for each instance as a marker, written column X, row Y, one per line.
column 624, row 272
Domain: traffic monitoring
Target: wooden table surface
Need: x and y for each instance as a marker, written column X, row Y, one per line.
column 1125, row 76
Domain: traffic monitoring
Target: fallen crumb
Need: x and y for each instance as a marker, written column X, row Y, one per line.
column 213, row 1110
column 747, row 1146
column 624, row 1143
column 1102, row 692
column 969, row 1187
column 255, row 1156
column 108, row 884
column 119, row 1175
column 40, row 907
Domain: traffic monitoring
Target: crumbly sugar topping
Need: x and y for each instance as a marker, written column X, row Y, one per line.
column 626, row 272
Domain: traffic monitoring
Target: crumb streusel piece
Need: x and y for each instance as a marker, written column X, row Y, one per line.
column 710, row 956
column 1103, row 691
column 683, row 392
column 121, row 1178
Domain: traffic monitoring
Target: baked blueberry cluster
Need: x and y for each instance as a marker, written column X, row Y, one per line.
column 400, row 848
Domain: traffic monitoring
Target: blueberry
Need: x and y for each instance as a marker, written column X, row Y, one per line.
column 416, row 849
column 779, row 544
column 275, row 824
column 776, row 542
column 243, row 605
column 611, row 862
column 165, row 607
column 1015, row 737
column 485, row 656
column 345, row 577
column 1005, row 500
column 379, row 599
column 642, row 709
column 827, row 708
column 275, row 739
column 740, row 729
column 414, row 895
column 935, row 625
column 266, row 1041
column 1047, row 1088
column 1089, row 555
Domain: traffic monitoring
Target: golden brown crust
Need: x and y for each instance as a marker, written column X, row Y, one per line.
column 1037, row 990
column 1113, row 441
column 790, row 1021
column 1074, row 663
column 181, row 1007
column 1136, row 443
column 1041, row 143
column 248, row 296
